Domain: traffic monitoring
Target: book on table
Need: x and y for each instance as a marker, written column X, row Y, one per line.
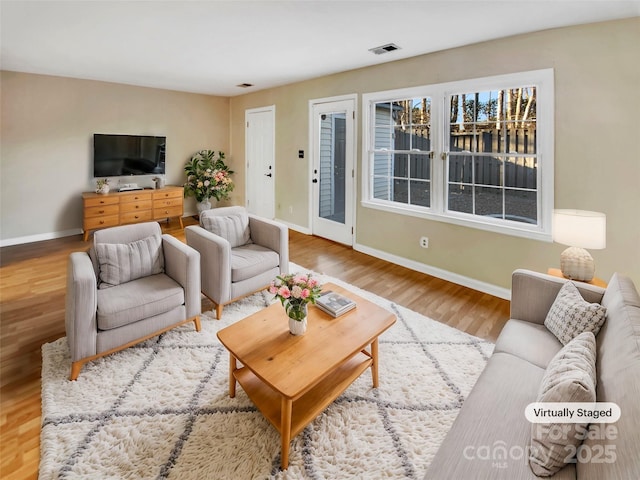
column 334, row 304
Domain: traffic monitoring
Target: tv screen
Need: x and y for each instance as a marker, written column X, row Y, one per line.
column 118, row 155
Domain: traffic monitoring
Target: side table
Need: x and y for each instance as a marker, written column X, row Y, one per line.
column 598, row 282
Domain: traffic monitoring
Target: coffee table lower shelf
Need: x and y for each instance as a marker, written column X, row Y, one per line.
column 304, row 409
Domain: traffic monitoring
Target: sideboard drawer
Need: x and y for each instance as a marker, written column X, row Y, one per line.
column 168, row 193
column 101, row 222
column 167, row 212
column 136, row 197
column 169, row 202
column 101, row 210
column 135, row 217
column 136, row 206
column 100, row 200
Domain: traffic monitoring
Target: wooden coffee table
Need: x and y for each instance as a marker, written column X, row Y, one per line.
column 292, row 379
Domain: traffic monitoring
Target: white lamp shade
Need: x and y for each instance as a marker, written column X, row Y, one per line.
column 580, row 228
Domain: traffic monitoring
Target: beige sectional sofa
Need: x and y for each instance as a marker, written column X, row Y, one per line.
column 491, row 437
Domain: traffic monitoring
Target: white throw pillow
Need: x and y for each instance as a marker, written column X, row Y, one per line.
column 570, row 315
column 570, row 377
column 123, row 262
column 233, row 228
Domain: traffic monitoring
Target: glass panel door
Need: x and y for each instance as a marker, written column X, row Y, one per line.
column 333, row 157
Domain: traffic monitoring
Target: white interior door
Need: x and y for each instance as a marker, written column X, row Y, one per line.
column 260, row 157
column 333, row 154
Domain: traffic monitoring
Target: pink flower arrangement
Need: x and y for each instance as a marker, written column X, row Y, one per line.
column 295, row 291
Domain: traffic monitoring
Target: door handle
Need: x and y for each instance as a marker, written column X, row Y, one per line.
column 267, row 175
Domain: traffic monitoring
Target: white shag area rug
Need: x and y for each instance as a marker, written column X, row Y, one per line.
column 161, row 409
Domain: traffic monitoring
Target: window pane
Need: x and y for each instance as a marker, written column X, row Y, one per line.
column 520, row 206
column 461, row 168
column 460, row 198
column 420, row 138
column 401, row 191
column 463, row 140
column 488, row 171
column 521, row 172
column 382, row 164
column 420, row 166
column 401, row 165
column 488, row 202
column 420, row 193
column 383, row 129
column 517, row 139
column 382, row 188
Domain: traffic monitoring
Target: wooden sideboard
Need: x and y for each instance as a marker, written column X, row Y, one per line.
column 121, row 208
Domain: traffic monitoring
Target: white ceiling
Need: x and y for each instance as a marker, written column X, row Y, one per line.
column 212, row 46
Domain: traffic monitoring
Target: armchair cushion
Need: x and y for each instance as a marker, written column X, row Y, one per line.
column 136, row 300
column 123, row 262
column 251, row 260
column 233, row 227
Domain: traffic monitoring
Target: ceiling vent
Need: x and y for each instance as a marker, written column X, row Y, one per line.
column 245, row 85
column 389, row 47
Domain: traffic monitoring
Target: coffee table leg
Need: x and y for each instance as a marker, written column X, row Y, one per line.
column 285, row 430
column 232, row 379
column 374, row 363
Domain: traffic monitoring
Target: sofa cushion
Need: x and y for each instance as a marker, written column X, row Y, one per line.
column 532, row 342
column 124, row 262
column 570, row 377
column 136, row 300
column 251, row 260
column 233, row 227
column 570, row 315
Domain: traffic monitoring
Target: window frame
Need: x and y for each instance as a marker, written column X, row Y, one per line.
column 439, row 95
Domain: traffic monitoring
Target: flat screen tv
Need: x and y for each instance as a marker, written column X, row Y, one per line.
column 120, row 155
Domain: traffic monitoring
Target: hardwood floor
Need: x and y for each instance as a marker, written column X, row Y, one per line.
column 32, row 290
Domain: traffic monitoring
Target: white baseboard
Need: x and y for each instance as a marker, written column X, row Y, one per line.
column 484, row 287
column 294, row 227
column 39, row 237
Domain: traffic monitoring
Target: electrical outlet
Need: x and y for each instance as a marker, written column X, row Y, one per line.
column 424, row 242
column 290, row 208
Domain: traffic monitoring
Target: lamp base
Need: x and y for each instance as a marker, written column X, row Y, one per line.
column 577, row 264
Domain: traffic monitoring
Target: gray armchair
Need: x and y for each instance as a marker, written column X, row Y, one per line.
column 240, row 253
column 132, row 284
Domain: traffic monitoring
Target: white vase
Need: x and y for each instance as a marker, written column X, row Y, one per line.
column 103, row 189
column 203, row 205
column 298, row 327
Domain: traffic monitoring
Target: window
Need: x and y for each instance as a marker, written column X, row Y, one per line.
column 402, row 151
column 477, row 153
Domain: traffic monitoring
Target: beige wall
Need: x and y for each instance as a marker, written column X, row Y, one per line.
column 47, row 133
column 597, row 152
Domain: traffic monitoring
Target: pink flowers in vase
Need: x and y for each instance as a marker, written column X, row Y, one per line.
column 295, row 291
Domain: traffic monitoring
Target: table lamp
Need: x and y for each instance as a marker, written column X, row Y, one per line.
column 579, row 229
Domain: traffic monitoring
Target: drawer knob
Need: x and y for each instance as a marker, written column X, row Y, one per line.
column 166, row 211
column 101, row 201
column 101, row 222
column 100, row 211
column 136, row 217
column 137, row 206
